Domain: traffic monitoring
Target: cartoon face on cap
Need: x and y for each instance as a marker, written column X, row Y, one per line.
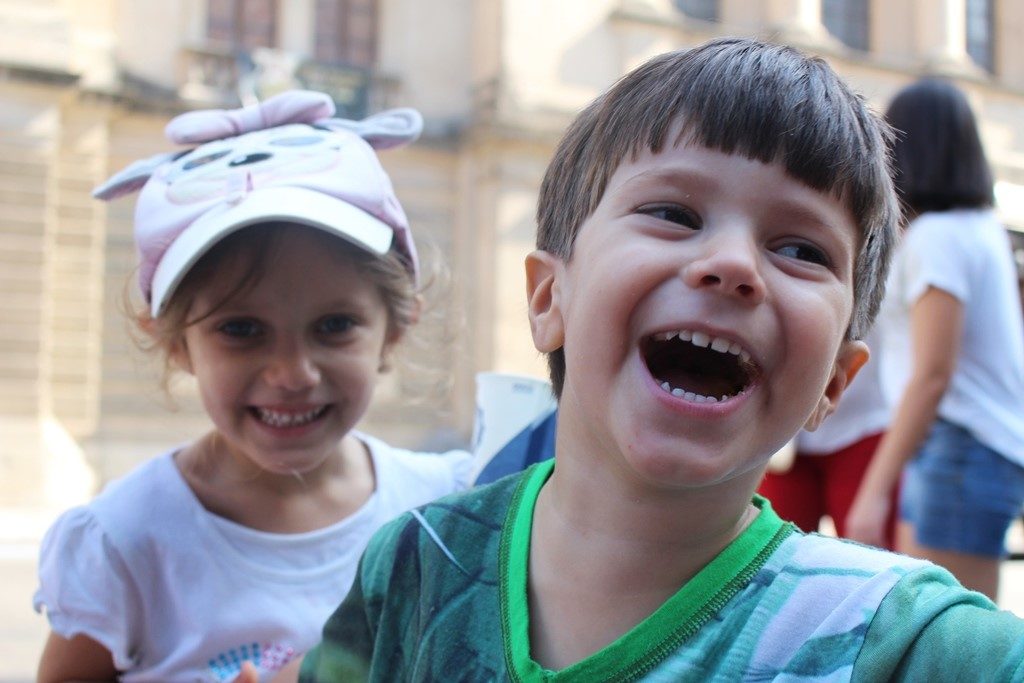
column 285, row 159
column 218, row 169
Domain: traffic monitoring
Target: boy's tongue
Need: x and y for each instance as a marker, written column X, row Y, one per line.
column 697, row 380
column 699, row 370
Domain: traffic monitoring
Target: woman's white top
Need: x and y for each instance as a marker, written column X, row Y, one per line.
column 967, row 254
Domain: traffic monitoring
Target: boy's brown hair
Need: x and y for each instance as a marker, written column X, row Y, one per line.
column 766, row 102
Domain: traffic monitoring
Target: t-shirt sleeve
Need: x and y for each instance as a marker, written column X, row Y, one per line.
column 351, row 633
column 85, row 587
column 930, row 628
column 938, row 256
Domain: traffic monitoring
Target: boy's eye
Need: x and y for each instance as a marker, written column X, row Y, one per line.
column 241, row 329
column 804, row 252
column 672, row 213
column 336, row 324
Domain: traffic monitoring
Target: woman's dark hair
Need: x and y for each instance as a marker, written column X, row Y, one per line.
column 938, row 160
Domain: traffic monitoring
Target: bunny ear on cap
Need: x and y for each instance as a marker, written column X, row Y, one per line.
column 391, row 128
column 294, row 106
column 133, row 177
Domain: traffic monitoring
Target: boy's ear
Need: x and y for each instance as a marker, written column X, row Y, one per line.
column 851, row 358
column 543, row 297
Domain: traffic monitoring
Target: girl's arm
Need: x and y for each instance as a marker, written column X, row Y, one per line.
column 79, row 659
column 936, row 325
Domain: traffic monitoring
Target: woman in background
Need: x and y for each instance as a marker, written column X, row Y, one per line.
column 952, row 352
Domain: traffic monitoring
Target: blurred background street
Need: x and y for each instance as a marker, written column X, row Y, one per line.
column 87, row 87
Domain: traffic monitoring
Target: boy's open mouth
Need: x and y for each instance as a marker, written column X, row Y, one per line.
column 698, row 367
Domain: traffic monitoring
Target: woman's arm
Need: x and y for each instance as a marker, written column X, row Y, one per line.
column 936, row 326
column 80, row 659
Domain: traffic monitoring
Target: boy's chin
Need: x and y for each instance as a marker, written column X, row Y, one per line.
column 692, row 468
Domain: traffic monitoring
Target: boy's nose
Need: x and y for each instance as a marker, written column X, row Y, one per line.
column 729, row 265
column 292, row 369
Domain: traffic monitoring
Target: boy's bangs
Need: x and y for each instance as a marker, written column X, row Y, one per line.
column 773, row 105
column 784, row 110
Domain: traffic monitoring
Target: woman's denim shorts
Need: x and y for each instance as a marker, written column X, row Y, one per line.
column 959, row 494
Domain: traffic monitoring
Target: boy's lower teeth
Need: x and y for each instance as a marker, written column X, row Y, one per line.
column 691, row 396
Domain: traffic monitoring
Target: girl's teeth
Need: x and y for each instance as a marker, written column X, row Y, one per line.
column 276, row 418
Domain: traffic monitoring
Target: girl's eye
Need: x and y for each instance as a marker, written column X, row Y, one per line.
column 240, row 329
column 336, row 324
column 673, row 213
column 804, row 252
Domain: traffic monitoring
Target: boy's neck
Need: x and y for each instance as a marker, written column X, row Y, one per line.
column 603, row 557
column 596, row 489
column 595, row 505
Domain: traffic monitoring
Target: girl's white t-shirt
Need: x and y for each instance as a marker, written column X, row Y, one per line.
column 179, row 594
column 967, row 254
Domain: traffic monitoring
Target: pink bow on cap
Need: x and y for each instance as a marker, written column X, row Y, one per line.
column 294, row 106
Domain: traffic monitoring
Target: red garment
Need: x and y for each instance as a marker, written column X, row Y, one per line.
column 825, row 484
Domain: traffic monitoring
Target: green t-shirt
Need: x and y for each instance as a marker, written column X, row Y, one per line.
column 441, row 595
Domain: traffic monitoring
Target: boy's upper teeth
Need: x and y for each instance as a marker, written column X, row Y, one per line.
column 704, row 340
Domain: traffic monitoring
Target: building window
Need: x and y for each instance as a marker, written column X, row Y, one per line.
column 242, row 25
column 980, row 22
column 346, row 32
column 847, row 20
column 705, row 10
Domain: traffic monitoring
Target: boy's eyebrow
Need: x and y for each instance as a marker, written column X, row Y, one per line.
column 694, row 177
column 698, row 179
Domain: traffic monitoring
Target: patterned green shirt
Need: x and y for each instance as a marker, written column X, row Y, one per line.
column 441, row 595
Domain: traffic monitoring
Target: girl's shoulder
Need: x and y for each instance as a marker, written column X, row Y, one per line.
column 156, row 485
column 128, row 506
column 417, row 476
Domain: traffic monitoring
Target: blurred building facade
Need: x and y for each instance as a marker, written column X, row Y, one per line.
column 87, row 86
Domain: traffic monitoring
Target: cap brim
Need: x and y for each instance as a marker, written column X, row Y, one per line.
column 266, row 205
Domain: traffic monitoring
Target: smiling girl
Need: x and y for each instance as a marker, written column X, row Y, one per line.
column 278, row 270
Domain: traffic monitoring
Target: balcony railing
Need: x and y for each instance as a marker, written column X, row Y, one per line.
column 219, row 78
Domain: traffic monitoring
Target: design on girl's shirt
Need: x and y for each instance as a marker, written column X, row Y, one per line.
column 267, row 658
